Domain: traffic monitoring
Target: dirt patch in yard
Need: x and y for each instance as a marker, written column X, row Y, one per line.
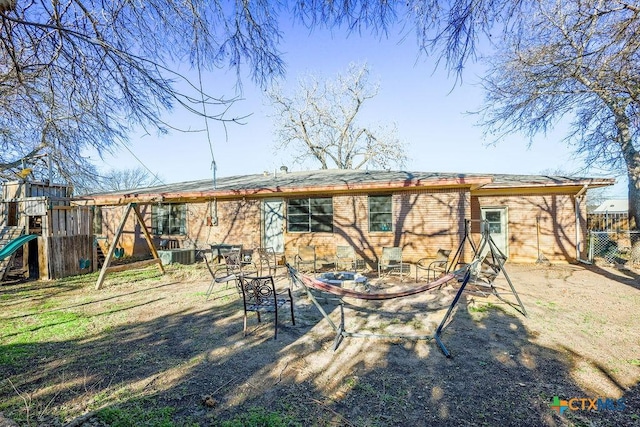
column 150, row 345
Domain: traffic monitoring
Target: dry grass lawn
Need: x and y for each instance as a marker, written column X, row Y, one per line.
column 148, row 349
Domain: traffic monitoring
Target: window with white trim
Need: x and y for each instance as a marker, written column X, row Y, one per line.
column 380, row 213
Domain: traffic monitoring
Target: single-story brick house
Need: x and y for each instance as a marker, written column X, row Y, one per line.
column 418, row 211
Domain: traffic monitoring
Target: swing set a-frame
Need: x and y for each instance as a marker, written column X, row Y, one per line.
column 481, row 269
column 117, row 252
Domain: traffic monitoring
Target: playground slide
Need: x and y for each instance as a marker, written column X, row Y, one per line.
column 15, row 244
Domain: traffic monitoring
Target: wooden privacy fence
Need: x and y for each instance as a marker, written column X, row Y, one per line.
column 67, row 253
column 608, row 221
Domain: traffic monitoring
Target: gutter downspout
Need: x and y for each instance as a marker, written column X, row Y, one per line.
column 578, row 197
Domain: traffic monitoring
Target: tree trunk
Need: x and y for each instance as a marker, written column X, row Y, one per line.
column 634, row 219
column 634, row 202
column 633, row 175
column 632, row 161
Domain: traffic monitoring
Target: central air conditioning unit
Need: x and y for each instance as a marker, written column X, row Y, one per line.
column 179, row 256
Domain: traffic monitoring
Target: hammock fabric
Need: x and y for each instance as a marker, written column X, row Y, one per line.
column 379, row 296
column 310, row 283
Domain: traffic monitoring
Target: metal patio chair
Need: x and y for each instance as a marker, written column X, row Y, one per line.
column 391, row 261
column 259, row 295
column 230, row 270
column 306, row 257
column 433, row 265
column 266, row 262
column 345, row 259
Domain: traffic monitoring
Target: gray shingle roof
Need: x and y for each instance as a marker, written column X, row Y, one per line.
column 508, row 180
column 340, row 179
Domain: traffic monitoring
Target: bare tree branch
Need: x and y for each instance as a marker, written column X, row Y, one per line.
column 582, row 61
column 77, row 74
column 320, row 122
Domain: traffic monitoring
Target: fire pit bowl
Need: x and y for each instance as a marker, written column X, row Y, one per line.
column 345, row 279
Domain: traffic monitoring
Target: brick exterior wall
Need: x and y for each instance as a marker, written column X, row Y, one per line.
column 111, row 218
column 557, row 217
column 424, row 221
column 238, row 223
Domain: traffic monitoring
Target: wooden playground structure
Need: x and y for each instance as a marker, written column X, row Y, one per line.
column 44, row 235
column 61, row 240
column 155, row 260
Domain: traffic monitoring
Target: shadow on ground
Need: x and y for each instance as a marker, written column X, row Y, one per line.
column 171, row 348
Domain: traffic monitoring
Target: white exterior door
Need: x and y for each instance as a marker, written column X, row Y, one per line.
column 497, row 222
column 273, row 227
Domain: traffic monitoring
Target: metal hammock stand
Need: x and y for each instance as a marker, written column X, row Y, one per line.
column 337, row 294
column 490, row 265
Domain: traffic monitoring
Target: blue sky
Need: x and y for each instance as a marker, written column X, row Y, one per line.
column 427, row 105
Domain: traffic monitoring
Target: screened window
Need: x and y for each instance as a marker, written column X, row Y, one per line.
column 310, row 214
column 380, row 214
column 169, row 219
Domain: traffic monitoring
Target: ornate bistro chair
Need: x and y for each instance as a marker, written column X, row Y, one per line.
column 306, row 259
column 259, row 294
column 435, row 266
column 391, row 260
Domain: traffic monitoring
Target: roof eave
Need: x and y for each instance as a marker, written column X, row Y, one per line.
column 596, row 183
column 122, row 199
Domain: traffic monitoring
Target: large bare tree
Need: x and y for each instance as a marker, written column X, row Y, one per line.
column 578, row 60
column 77, row 74
column 320, row 121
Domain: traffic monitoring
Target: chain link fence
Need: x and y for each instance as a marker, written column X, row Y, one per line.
column 611, row 246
